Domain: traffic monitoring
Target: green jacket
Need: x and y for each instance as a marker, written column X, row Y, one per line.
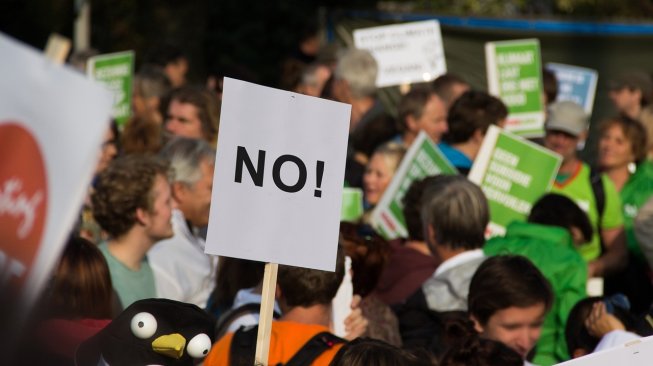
column 637, row 190
column 551, row 250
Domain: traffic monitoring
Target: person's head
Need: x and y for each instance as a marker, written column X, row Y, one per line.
column 422, row 110
column 355, row 75
column 141, row 136
column 369, row 254
column 305, row 287
column 134, row 193
column 549, row 86
column 566, row 125
column 508, row 300
column 193, row 112
column 192, row 162
column 150, row 85
column 631, row 90
column 449, row 87
column 455, row 213
column 380, row 170
column 172, row 60
column 472, row 114
column 313, row 79
column 476, row 351
column 412, row 202
column 558, row 210
column 81, row 284
column 109, row 148
column 371, row 352
column 622, row 141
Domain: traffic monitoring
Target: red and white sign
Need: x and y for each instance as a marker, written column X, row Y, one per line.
column 52, row 121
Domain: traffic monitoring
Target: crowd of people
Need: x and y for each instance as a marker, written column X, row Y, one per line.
column 444, row 295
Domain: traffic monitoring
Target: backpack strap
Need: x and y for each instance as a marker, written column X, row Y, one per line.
column 312, row 349
column 230, row 316
column 243, row 346
column 599, row 198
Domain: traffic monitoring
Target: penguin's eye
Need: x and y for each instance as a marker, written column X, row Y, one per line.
column 143, row 325
column 199, row 346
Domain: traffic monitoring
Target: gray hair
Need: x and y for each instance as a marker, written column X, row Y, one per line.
column 457, row 210
column 185, row 156
column 359, row 69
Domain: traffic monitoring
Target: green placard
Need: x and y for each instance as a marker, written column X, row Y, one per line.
column 515, row 75
column 352, row 204
column 513, row 173
column 421, row 160
column 115, row 71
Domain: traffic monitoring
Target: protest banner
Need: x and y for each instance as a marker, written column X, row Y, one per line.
column 422, row 159
column 515, row 76
column 46, row 167
column 634, row 353
column 575, row 84
column 513, row 173
column 406, row 53
column 277, row 191
column 116, row 72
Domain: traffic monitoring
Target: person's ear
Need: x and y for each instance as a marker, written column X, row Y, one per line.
column 411, row 123
column 179, row 190
column 583, row 136
column 142, row 216
column 577, row 235
column 478, row 136
column 578, row 352
column 477, row 325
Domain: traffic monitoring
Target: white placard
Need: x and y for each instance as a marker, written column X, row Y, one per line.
column 406, row 53
column 635, row 353
column 279, row 173
column 52, row 121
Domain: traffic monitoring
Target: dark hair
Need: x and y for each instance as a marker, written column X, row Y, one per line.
column 208, row 110
column 412, row 202
column 234, row 274
column 550, row 85
column 443, row 86
column 474, row 110
column 576, row 333
column 505, row 281
column 457, row 210
column 368, row 252
column 371, row 352
column 412, row 104
column 123, row 187
column 557, row 210
column 307, row 287
column 633, row 130
column 477, row 351
column 81, row 284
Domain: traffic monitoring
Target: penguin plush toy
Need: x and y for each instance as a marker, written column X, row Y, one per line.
column 151, row 332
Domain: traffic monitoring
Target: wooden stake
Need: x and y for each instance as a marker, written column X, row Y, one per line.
column 267, row 312
column 57, row 48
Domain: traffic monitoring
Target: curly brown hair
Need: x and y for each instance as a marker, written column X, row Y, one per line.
column 123, row 187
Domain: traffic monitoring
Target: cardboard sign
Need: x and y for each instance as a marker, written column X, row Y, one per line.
column 52, row 121
column 421, row 160
column 576, row 84
column 513, row 173
column 279, row 173
column 406, row 53
column 115, row 71
column 635, row 353
column 514, row 75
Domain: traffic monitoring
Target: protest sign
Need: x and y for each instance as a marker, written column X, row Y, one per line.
column 115, row 71
column 575, row 84
column 279, row 174
column 421, row 160
column 634, row 353
column 46, row 166
column 352, row 204
column 515, row 76
column 406, row 53
column 513, row 173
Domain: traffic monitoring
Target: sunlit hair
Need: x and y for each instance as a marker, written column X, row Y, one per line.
column 359, row 69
